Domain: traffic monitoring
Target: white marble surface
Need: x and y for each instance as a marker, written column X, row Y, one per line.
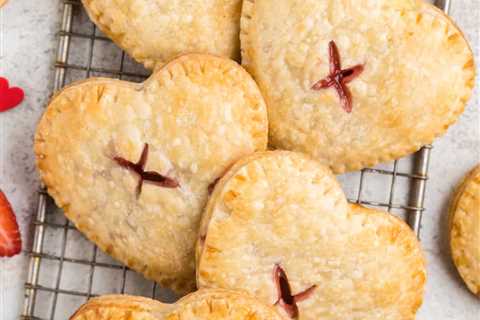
column 27, row 53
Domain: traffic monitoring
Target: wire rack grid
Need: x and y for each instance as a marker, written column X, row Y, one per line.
column 66, row 270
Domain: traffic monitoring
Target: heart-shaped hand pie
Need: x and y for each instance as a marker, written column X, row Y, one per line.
column 354, row 84
column 10, row 97
column 131, row 164
column 212, row 304
column 464, row 228
column 155, row 31
column 278, row 225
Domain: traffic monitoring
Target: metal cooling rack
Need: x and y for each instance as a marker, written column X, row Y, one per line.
column 66, row 269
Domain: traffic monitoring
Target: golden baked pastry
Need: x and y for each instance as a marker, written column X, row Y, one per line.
column 356, row 83
column 213, row 304
column 131, row 164
column 465, row 230
column 155, row 31
column 279, row 226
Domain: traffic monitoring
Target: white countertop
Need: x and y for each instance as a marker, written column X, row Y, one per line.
column 27, row 51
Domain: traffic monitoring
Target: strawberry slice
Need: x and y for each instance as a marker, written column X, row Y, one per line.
column 10, row 240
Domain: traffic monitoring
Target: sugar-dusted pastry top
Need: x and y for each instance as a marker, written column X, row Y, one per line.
column 179, row 131
column 465, row 230
column 404, row 66
column 155, row 31
column 279, row 226
column 210, row 304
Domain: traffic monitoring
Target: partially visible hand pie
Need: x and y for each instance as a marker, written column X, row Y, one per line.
column 354, row 83
column 156, row 31
column 279, row 226
column 465, row 230
column 131, row 164
column 212, row 304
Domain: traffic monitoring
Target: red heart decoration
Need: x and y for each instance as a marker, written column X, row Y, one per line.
column 9, row 97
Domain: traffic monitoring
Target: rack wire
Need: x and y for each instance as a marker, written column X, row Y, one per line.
column 65, row 269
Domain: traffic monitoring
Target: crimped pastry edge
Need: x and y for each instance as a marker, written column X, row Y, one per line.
column 461, row 199
column 247, row 50
column 118, row 39
column 217, row 191
column 352, row 210
column 124, row 307
column 180, row 286
column 118, row 302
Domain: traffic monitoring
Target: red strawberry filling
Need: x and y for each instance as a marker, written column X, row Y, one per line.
column 286, row 299
column 146, row 176
column 339, row 78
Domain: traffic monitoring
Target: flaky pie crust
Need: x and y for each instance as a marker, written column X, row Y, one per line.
column 155, row 31
column 283, row 208
column 199, row 114
column 464, row 226
column 211, row 304
column 418, row 75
